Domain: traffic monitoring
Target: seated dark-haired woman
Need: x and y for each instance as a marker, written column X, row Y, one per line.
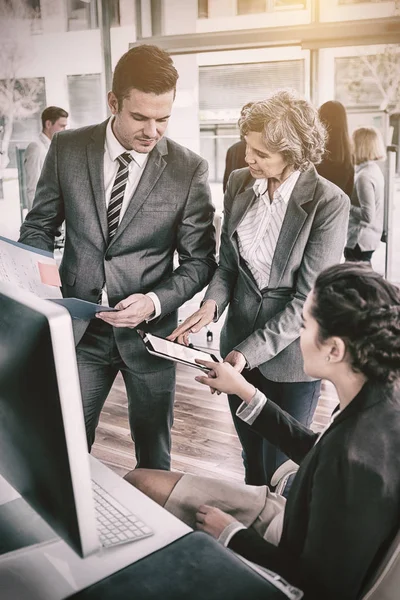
column 343, row 507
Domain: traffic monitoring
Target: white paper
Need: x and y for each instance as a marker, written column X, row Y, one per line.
column 20, row 266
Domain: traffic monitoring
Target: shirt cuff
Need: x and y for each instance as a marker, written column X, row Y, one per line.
column 249, row 412
column 157, row 306
column 229, row 531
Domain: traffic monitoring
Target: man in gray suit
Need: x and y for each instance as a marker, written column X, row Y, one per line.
column 283, row 224
column 130, row 198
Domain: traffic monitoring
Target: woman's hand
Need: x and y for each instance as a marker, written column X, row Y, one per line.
column 225, row 378
column 194, row 323
column 212, row 520
column 236, row 359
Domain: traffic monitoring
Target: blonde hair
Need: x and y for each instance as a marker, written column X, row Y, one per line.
column 289, row 125
column 368, row 145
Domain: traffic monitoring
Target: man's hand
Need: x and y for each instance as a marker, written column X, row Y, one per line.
column 236, row 359
column 133, row 310
column 212, row 520
column 194, row 323
column 222, row 377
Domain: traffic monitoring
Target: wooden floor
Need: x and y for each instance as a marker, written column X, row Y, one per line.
column 204, row 440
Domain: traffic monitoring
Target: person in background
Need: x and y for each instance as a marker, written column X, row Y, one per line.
column 343, row 507
column 336, row 165
column 283, row 224
column 235, row 155
column 54, row 119
column 366, row 213
column 130, row 198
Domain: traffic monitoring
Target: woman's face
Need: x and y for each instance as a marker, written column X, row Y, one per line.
column 263, row 163
column 314, row 352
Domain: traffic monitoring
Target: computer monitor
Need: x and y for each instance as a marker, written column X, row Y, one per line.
column 43, row 447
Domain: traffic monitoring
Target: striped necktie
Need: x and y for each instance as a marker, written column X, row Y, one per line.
column 117, row 193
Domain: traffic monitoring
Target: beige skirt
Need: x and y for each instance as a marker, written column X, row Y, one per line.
column 254, row 506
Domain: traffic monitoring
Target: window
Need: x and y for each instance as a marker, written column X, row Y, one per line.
column 214, row 143
column 82, row 15
column 224, row 89
column 202, row 9
column 29, row 100
column 246, row 7
column 355, row 84
column 293, row 4
column 85, row 99
column 359, row 1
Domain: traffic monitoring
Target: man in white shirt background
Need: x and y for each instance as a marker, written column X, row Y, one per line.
column 54, row 119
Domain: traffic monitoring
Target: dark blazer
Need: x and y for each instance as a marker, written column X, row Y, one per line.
column 234, row 160
column 265, row 325
column 170, row 211
column 343, row 506
column 341, row 174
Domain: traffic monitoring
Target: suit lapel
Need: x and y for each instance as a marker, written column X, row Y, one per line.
column 292, row 224
column 240, row 206
column 95, row 157
column 152, row 172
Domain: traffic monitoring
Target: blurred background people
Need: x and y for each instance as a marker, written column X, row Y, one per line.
column 337, row 163
column 366, row 213
column 54, row 119
column 283, row 224
column 235, row 155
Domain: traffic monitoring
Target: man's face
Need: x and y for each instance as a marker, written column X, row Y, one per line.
column 52, row 128
column 142, row 119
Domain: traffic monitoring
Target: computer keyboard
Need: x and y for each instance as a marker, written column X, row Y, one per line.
column 115, row 523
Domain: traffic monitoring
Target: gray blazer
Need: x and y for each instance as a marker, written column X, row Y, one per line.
column 366, row 212
column 265, row 325
column 170, row 210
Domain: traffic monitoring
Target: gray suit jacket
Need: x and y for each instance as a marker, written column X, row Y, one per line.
column 170, row 210
column 366, row 213
column 265, row 325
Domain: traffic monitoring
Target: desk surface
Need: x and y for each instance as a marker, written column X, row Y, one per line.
column 53, row 571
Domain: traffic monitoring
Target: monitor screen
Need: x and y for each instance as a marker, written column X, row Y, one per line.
column 43, row 448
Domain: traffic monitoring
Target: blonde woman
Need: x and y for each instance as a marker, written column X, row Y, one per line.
column 366, row 213
column 283, row 224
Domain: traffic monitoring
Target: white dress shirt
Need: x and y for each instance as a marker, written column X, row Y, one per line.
column 259, row 231
column 113, row 149
column 34, row 157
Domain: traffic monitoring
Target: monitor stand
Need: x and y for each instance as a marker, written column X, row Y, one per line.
column 21, row 526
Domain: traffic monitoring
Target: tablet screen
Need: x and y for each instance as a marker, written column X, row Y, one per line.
column 177, row 352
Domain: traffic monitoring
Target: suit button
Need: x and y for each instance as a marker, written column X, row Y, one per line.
column 107, row 257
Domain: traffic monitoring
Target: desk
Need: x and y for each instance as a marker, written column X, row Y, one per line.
column 53, row 571
column 194, row 567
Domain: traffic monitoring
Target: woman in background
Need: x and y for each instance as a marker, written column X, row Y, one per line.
column 342, row 510
column 366, row 213
column 337, row 164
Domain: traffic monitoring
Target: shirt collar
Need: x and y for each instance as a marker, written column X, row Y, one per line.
column 285, row 190
column 115, row 149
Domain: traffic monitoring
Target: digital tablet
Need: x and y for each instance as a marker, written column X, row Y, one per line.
column 176, row 352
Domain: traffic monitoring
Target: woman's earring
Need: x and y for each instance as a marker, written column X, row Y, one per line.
column 327, row 358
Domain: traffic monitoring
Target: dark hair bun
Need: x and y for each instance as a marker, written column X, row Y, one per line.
column 355, row 303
